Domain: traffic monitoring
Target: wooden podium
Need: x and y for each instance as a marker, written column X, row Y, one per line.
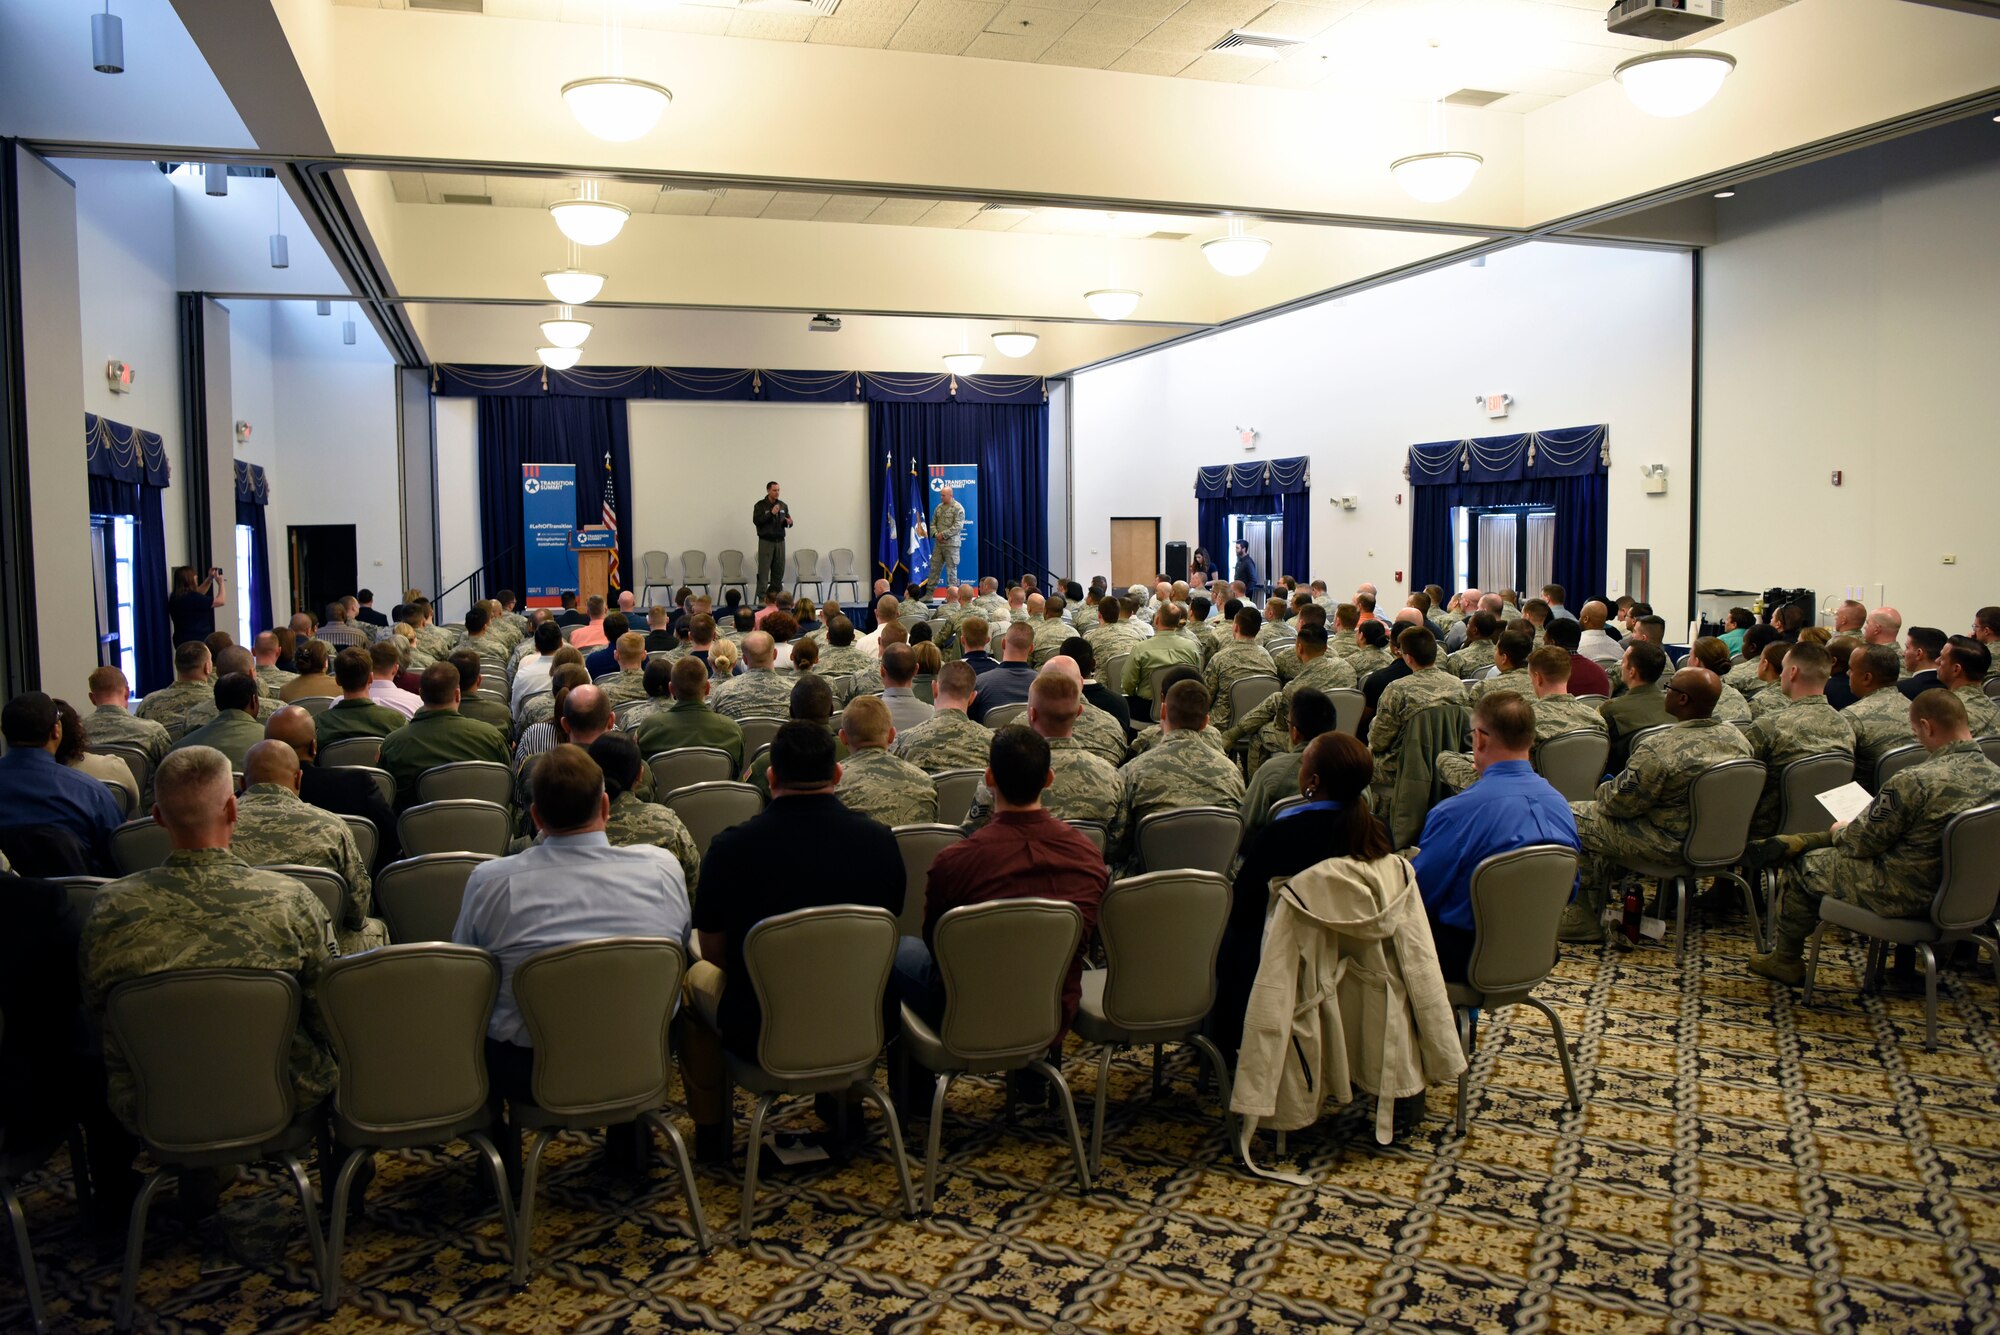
column 593, row 545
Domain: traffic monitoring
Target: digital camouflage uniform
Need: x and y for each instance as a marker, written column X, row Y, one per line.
column 1980, row 713
column 1807, row 726
column 1107, row 642
column 1085, row 788
column 1101, row 735
column 892, row 791
column 842, row 661
column 755, row 694
column 992, row 606
column 1518, row 681
column 1554, row 716
column 1268, row 724
column 1641, row 815
column 1368, row 659
column 946, row 740
column 1182, row 771
column 634, row 821
column 109, row 725
column 1401, row 701
column 628, row 684
column 1732, row 705
column 1471, row 661
column 1881, row 723
column 1765, row 702
column 272, row 679
column 1887, row 860
column 204, row 909
column 1049, row 637
column 1149, row 737
column 169, row 706
column 274, row 826
column 1745, row 679
column 1232, row 663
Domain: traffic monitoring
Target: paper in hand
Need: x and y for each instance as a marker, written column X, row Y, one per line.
column 1846, row 802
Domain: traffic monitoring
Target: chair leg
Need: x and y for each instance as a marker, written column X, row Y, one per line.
column 1812, row 961
column 524, row 1215
column 1055, row 1077
column 135, row 1244
column 1464, row 1018
column 870, row 1090
column 1681, row 915
column 1929, row 957
column 336, row 1237
column 1225, row 1085
column 29, row 1278
column 1097, row 1110
column 750, row 1159
column 1562, row 1049
column 490, row 1152
column 1750, row 903
column 79, row 1170
column 932, row 1135
column 315, row 1239
column 685, row 1168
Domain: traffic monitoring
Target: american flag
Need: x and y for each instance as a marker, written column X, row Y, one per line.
column 611, row 520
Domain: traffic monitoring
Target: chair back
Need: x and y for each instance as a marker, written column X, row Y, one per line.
column 1969, row 884
column 1348, row 707
column 1189, row 838
column 135, row 760
column 1991, row 686
column 1000, row 716
column 480, row 780
column 140, row 845
column 1594, row 701
column 1991, row 746
column 351, row 751
column 1092, row 830
column 1154, row 679
column 920, row 845
column 694, row 567
column 1003, row 964
column 1111, row 672
column 459, row 825
column 315, row 704
column 805, row 566
column 328, row 887
column 367, row 839
column 1246, row 693
column 1722, row 801
column 123, row 797
column 1897, row 759
column 1632, row 742
column 210, row 1053
column 1518, row 897
column 655, row 567
column 420, row 897
column 1284, row 804
column 1573, row 762
column 820, row 974
column 955, row 788
column 687, row 765
column 843, row 562
column 597, row 1014
column 1804, row 779
column 385, row 783
column 707, row 809
column 731, row 562
column 408, row 1024
column 762, row 728
column 1161, row 932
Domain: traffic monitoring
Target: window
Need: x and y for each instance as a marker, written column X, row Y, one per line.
column 112, row 540
column 244, row 635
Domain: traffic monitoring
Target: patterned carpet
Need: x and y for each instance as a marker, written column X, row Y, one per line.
column 1742, row 1163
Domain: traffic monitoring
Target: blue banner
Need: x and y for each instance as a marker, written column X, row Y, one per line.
column 548, row 517
column 963, row 479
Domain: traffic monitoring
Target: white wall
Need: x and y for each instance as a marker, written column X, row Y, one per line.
column 698, row 468
column 1850, row 321
column 1577, row 334
column 458, row 476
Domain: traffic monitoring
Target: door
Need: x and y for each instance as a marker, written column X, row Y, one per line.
column 1135, row 552
column 323, row 565
column 1266, row 536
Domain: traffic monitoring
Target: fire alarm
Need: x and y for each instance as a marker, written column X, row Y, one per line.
column 119, row 375
column 1836, row 477
column 242, row 433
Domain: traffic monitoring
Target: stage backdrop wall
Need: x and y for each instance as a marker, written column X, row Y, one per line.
column 697, row 468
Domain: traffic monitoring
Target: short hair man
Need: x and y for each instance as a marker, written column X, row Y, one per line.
column 1880, row 714
column 356, row 713
column 365, row 602
column 386, row 660
column 591, row 633
column 689, row 721
column 872, row 781
column 1237, row 660
column 110, row 722
column 1006, row 683
column 345, row 790
column 1962, row 666
column 1921, row 647
column 472, row 671
column 949, row 739
column 1183, row 770
column 899, row 675
column 1425, row 683
column 274, row 825
column 235, row 727
column 1085, row 784
column 169, row 706
column 1642, row 704
column 1804, row 723
column 437, row 734
column 37, row 792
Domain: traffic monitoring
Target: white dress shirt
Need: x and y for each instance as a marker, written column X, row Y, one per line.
column 383, row 691
column 531, row 678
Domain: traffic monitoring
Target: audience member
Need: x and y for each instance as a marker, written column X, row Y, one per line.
column 110, row 723
column 1803, row 724
column 1083, row 785
column 1006, row 683
column 342, row 789
column 1182, row 771
column 949, row 739
column 437, row 735
column 275, row 825
column 633, row 820
column 872, row 781
column 235, row 727
column 194, row 670
column 356, row 713
column 688, row 721
column 1643, row 702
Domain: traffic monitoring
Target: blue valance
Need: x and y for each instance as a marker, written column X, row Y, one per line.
column 750, row 385
column 1577, row 451
column 1262, row 477
column 124, row 453
column 251, row 486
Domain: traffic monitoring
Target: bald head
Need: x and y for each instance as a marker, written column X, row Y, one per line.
column 1883, row 625
column 759, row 650
column 272, row 761
column 1067, row 666
column 1692, row 693
column 1410, row 616
column 1594, row 615
column 295, row 728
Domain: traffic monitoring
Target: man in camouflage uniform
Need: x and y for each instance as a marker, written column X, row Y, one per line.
column 630, row 681
column 1804, row 724
column 235, row 660
column 1286, row 659
column 1050, row 631
column 948, row 739
column 1084, row 786
column 1239, row 658
column 842, row 656
column 1369, row 651
column 990, row 603
column 1889, row 859
column 1309, row 714
column 1402, row 700
column 1097, row 730
column 1880, row 714
column 1111, row 636
column 274, row 826
column 194, row 671
column 1962, row 666
column 205, row 909
column 633, row 820
column 811, row 701
column 761, row 692
column 1274, row 627
column 947, row 530
column 1267, row 724
column 110, row 724
column 1745, row 676
column 872, row 781
column 1170, row 645
column 1556, row 712
column 237, row 724
column 1642, row 814
column 1472, row 660
column 1182, row 771
column 271, row 678
column 1643, row 702
column 1510, row 655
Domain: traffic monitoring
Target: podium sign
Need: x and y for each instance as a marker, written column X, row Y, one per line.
column 592, row 548
column 548, row 519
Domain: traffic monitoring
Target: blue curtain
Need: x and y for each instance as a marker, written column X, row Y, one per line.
column 1266, row 486
column 1564, row 470
column 744, row 385
column 155, row 634
column 252, row 493
column 550, row 429
column 1009, row 442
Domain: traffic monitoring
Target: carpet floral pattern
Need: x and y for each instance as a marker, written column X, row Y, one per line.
column 1742, row 1162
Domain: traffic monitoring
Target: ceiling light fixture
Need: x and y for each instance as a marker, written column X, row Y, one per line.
column 1725, row 194
column 963, row 363
column 616, row 109
column 589, row 222
column 1112, row 303
column 107, row 42
column 347, row 326
column 1674, row 83
column 281, row 253
column 215, row 179
column 1233, row 255
column 573, row 287
column 1441, row 174
column 559, row 359
column 1015, row 342
column 324, row 307
column 565, row 331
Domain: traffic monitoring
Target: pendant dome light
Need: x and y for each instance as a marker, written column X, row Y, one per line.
column 1674, row 83
column 965, row 361
column 1440, row 174
column 1234, row 254
column 559, row 359
column 588, row 220
column 1112, row 303
column 571, row 286
column 611, row 106
column 565, row 330
column 1015, row 342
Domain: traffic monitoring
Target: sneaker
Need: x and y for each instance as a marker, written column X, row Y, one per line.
column 1580, row 926
column 1779, row 968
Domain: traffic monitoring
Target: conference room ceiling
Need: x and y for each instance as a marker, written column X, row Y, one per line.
column 851, row 160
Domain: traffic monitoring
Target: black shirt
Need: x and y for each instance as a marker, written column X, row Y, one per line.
column 1110, row 702
column 193, row 615
column 769, row 517
column 1371, row 690
column 661, row 641
column 743, row 882
column 349, row 791
column 1838, row 693
column 371, row 616
column 981, row 662
column 1283, row 848
column 1003, row 684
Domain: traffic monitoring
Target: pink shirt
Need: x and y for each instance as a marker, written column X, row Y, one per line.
column 586, row 636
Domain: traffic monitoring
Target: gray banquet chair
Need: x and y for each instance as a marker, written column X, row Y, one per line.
column 920, row 845
column 351, row 751
column 805, row 570
column 139, row 845
column 955, row 789
column 732, row 577
column 328, row 887
column 479, row 780
column 707, row 809
column 759, row 729
column 654, row 574
column 1246, row 693
column 419, row 897
column 1189, row 838
column 461, row 825
column 1573, row 762
column 1000, row 716
column 843, row 572
column 694, row 571
column 1722, row 800
column 687, row 765
column 367, row 839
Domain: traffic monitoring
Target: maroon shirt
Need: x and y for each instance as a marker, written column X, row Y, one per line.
column 1022, row 855
column 1586, row 678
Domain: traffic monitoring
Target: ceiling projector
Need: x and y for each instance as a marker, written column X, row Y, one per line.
column 824, row 324
column 1662, row 20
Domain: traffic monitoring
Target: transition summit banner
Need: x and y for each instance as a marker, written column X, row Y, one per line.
column 548, row 518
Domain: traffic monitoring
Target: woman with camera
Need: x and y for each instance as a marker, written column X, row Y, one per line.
column 192, row 605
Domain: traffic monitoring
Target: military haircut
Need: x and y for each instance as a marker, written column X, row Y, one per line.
column 383, row 654
column 629, row 645
column 1311, row 613
column 1973, row 658
column 1248, row 622
column 1648, row 660
column 1655, row 628
column 840, row 632
column 899, row 665
column 235, row 659
column 1482, row 624
column 1018, row 759
column 565, row 786
column 353, row 669
column 802, row 752
column 1171, row 617
column 28, row 719
column 238, row 690
column 1230, row 608
column 1312, row 635
column 1755, row 638
column 812, row 700
column 1879, row 661
column 1929, row 639
column 1200, row 606
column 476, row 618
column 1187, row 705
column 1419, row 644
column 1310, row 712
column 865, row 722
column 701, row 629
column 1020, row 638
column 190, row 658
column 1811, row 662
column 1346, row 615
column 973, row 633
column 1053, row 606
column 1988, row 620
column 1535, row 605
column 1516, row 644
column 1943, row 710
column 1078, row 649
column 1373, row 634
column 469, row 669
column 548, row 637
column 1108, row 609
column 1056, row 694
column 956, row 679
column 1550, row 663
column 190, row 787
column 1508, row 718
column 1420, row 600
column 1364, row 602
column 1563, row 634
column 106, row 679
column 438, row 686
column 618, row 757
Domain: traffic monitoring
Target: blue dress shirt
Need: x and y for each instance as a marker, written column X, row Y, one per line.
column 600, row 662
column 1510, row 807
column 36, row 790
column 568, row 888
